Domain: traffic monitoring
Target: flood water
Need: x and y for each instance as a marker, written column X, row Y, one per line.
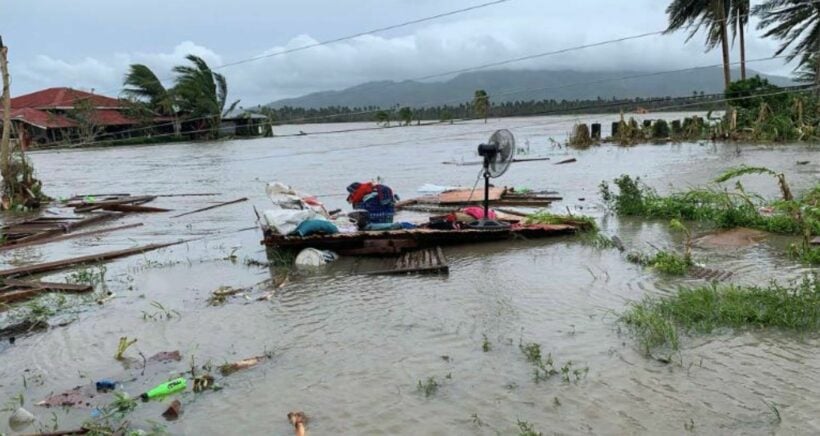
column 349, row 349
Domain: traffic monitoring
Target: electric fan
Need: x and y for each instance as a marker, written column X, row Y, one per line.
column 498, row 153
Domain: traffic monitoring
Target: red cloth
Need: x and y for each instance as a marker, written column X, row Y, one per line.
column 357, row 195
column 478, row 212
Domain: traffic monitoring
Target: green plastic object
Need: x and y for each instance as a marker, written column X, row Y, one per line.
column 167, row 388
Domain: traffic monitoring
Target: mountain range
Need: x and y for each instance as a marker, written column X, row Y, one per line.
column 523, row 85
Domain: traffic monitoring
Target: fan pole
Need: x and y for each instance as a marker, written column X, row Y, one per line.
column 486, row 188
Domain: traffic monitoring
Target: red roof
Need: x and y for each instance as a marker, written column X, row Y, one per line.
column 111, row 118
column 41, row 119
column 62, row 98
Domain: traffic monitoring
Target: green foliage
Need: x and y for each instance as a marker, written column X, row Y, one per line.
column 160, row 312
column 485, row 344
column 582, row 222
column 660, row 130
column 481, row 104
column 750, row 94
column 655, row 320
column 406, row 115
column 580, row 136
column 527, row 429
column 88, row 275
column 722, row 208
column 429, row 387
column 383, row 117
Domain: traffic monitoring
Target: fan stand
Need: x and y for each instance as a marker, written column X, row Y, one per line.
column 486, row 223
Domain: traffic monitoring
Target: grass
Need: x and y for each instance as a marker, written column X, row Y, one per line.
column 584, row 223
column 160, row 313
column 527, row 429
column 664, row 261
column 485, row 344
column 544, row 368
column 718, row 206
column 656, row 321
column 429, row 387
column 91, row 276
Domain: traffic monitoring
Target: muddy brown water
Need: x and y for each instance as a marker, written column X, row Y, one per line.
column 349, row 350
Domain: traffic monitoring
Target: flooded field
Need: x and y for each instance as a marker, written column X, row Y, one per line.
column 350, row 350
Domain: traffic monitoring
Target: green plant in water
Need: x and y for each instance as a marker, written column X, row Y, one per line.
column 123, row 345
column 91, row 276
column 527, row 429
column 429, row 387
column 580, row 136
column 582, row 222
column 160, row 313
column 485, row 344
column 655, row 320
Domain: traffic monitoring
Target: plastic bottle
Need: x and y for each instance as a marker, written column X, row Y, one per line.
column 167, row 388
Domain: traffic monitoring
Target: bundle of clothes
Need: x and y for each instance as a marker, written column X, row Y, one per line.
column 459, row 220
column 376, row 199
column 300, row 214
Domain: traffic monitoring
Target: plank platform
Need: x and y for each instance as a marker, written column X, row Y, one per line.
column 395, row 242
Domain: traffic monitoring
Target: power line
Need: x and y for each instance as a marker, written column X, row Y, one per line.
column 519, row 91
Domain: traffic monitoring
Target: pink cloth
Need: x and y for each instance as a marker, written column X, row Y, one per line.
column 478, row 212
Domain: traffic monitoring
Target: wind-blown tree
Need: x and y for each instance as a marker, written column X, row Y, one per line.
column 406, row 115
column 797, row 24
column 807, row 72
column 382, row 117
column 709, row 15
column 202, row 93
column 740, row 11
column 481, row 104
column 141, row 84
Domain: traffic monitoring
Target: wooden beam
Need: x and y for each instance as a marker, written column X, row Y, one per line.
column 16, row 244
column 82, row 260
column 211, row 207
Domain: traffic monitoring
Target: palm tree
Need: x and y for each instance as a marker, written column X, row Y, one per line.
column 697, row 14
column 797, row 24
column 740, row 11
column 383, row 117
column 202, row 93
column 807, row 72
column 481, row 103
column 142, row 85
column 406, row 115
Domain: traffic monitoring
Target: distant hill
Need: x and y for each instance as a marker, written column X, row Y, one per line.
column 503, row 85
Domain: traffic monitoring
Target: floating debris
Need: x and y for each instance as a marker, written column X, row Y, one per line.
column 428, row 261
column 230, row 368
column 211, row 207
column 299, row 421
column 173, row 411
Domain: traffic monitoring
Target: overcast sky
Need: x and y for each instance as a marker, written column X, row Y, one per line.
column 88, row 44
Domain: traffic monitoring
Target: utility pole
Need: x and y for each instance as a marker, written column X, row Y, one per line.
column 5, row 142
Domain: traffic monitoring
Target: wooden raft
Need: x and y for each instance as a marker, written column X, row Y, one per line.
column 454, row 199
column 395, row 242
column 428, row 261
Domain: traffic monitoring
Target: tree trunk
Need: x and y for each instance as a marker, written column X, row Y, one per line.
column 724, row 44
column 742, row 38
column 5, row 142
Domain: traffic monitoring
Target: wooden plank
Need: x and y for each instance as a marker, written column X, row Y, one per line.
column 50, row 286
column 464, row 195
column 82, row 260
column 211, row 207
column 88, row 207
column 134, row 209
column 16, row 244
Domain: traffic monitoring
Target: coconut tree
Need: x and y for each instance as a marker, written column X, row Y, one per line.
column 202, row 93
column 142, row 85
column 708, row 15
column 797, row 24
column 481, row 103
column 740, row 11
column 807, row 72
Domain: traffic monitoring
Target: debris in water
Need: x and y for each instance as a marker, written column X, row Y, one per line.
column 566, row 161
column 76, row 397
column 167, row 388
column 221, row 294
column 82, row 260
column 734, row 238
column 22, row 327
column 105, row 385
column 299, row 420
column 230, row 368
column 20, row 419
column 173, row 411
column 203, row 383
column 166, row 356
column 211, row 207
column 803, row 162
